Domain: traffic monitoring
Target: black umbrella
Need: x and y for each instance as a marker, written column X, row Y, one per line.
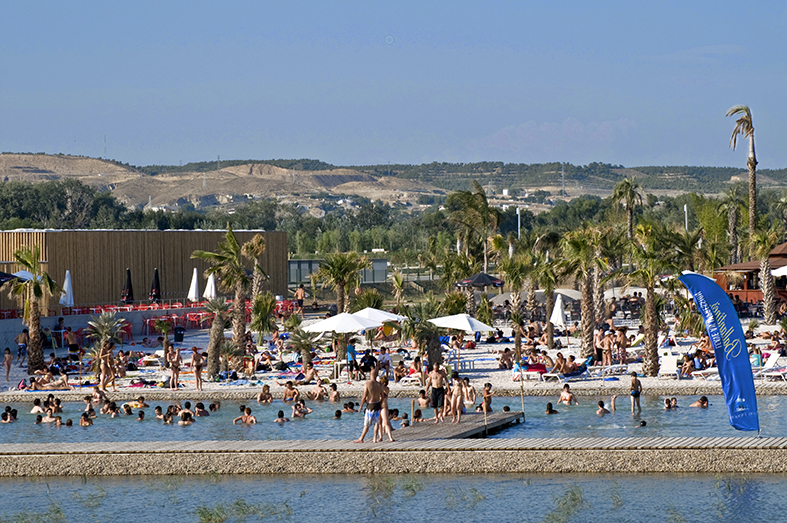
column 155, row 288
column 127, row 294
column 480, row 280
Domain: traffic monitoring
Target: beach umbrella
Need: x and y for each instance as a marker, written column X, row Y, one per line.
column 23, row 275
column 461, row 322
column 343, row 323
column 370, row 313
column 127, row 294
column 155, row 288
column 558, row 318
column 4, row 277
column 480, row 280
column 781, row 271
column 67, row 295
column 210, row 288
column 568, row 294
column 193, row 288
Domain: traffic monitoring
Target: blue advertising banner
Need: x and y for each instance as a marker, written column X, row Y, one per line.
column 729, row 344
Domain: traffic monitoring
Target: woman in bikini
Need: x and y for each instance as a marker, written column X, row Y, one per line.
column 196, row 363
column 457, row 397
column 105, row 366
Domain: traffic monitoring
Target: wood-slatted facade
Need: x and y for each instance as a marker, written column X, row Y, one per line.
column 98, row 260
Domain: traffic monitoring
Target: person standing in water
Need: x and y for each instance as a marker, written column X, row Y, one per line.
column 372, row 398
column 636, row 391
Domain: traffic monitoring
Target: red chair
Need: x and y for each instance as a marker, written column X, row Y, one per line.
column 177, row 305
column 80, row 334
column 154, row 306
column 125, row 333
column 141, row 307
column 110, row 308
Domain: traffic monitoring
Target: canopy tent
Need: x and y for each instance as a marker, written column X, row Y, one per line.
column 127, row 294
column 461, row 322
column 619, row 292
column 67, row 295
column 781, row 271
column 155, row 288
column 210, row 288
column 341, row 323
column 193, row 294
column 370, row 313
column 480, row 280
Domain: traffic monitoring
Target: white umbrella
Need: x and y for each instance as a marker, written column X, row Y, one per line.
column 461, row 322
column 370, row 313
column 210, row 288
column 67, row 296
column 568, row 294
column 343, row 322
column 24, row 275
column 619, row 292
column 193, row 294
column 558, row 318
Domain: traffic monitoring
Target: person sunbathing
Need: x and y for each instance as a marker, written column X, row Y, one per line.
column 400, row 371
column 560, row 365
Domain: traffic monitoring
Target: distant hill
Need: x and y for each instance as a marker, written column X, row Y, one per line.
column 229, row 182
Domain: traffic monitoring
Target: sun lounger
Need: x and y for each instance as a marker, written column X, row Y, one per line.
column 410, row 380
column 668, row 364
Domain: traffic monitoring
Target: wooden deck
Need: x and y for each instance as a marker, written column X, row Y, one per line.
column 424, row 448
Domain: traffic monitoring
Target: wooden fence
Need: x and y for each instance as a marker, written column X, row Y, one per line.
column 98, row 260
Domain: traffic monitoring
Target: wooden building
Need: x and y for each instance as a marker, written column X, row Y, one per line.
column 743, row 279
column 98, row 260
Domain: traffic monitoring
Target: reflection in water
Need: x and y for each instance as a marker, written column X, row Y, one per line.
column 496, row 498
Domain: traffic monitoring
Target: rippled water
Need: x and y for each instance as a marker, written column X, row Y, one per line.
column 499, row 498
column 572, row 421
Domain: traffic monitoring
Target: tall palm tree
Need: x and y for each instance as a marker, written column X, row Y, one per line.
column 397, row 279
column 650, row 264
column 781, row 206
column 547, row 278
column 515, row 272
column 629, row 192
column 477, row 218
column 220, row 310
column 732, row 203
column 229, row 266
column 579, row 259
column 340, row 269
column 32, row 293
column 745, row 127
column 262, row 320
column 763, row 243
column 686, row 248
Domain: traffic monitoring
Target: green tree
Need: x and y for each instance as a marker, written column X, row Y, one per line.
column 262, row 320
column 731, row 204
column 629, row 192
column 303, row 342
column 340, row 269
column 515, row 272
column 424, row 332
column 229, row 266
column 106, row 327
column 477, row 218
column 579, row 260
column 763, row 242
column 745, row 127
column 32, row 293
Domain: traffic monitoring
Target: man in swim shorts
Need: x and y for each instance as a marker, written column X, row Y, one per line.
column 436, row 382
column 636, row 390
column 22, row 339
column 373, row 399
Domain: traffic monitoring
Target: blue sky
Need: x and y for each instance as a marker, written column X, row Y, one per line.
column 632, row 83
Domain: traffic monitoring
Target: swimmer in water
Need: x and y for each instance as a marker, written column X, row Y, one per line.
column 567, row 397
column 280, row 418
column 245, row 418
column 551, row 410
column 290, row 392
column 602, row 410
column 701, row 403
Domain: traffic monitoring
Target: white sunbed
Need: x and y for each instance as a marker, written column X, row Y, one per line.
column 668, row 365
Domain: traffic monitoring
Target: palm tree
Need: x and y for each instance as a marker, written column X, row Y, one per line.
column 303, row 342
column 424, row 332
column 32, row 292
column 629, row 192
column 686, row 247
column 228, row 264
column 340, row 269
column 367, row 298
column 781, row 206
column 546, row 275
column 515, row 271
column 262, row 320
column 579, row 259
column 397, row 278
column 763, row 243
column 106, row 327
column 477, row 218
column 455, row 302
column 745, row 127
column 220, row 310
column 650, row 264
column 731, row 203
column 164, row 327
